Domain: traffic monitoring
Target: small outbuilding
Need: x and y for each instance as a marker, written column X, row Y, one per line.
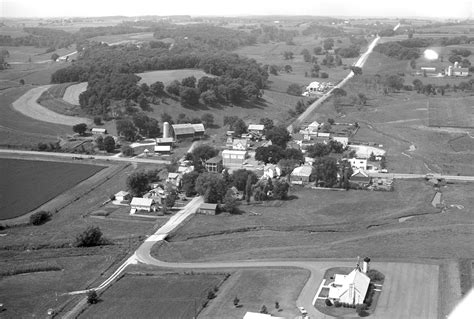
column 301, row 175
column 163, row 149
column 208, row 209
column 98, row 130
column 122, row 196
column 360, row 178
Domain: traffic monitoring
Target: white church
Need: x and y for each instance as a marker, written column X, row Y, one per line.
column 352, row 288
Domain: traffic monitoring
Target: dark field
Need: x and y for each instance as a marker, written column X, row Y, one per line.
column 26, row 185
column 163, row 296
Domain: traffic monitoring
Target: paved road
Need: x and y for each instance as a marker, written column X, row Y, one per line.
column 415, row 176
column 360, row 63
column 19, row 153
column 27, row 105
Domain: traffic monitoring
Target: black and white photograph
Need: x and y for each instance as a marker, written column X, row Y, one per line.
column 204, row 159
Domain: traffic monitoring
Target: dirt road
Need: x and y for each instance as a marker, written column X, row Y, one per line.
column 28, row 106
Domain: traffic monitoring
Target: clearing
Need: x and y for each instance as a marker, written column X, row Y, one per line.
column 71, row 95
column 167, row 76
column 257, row 287
column 35, row 178
column 452, row 112
column 160, row 296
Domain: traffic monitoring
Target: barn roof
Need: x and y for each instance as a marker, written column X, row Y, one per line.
column 256, row 127
column 182, row 129
column 138, row 201
column 304, row 170
column 199, row 127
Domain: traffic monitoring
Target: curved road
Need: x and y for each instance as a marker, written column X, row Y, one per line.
column 27, row 105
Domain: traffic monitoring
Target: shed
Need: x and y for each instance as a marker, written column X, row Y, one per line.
column 165, row 141
column 163, row 149
column 207, row 209
column 97, row 130
column 257, row 128
column 122, row 196
column 301, row 175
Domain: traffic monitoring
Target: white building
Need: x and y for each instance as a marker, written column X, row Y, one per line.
column 358, row 163
column 122, row 196
column 232, row 158
column 97, row 130
column 240, row 144
column 138, row 203
column 344, row 140
column 350, row 289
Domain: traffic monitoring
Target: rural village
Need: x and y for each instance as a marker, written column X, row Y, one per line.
column 236, row 167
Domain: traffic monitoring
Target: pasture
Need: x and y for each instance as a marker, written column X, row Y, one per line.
column 257, row 287
column 159, row 296
column 34, row 179
column 451, row 112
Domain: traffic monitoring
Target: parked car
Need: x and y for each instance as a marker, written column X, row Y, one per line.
column 303, row 311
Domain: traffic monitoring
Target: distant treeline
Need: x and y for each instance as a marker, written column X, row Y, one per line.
column 323, row 30
column 409, row 49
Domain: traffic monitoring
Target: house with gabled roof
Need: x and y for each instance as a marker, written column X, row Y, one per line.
column 361, row 178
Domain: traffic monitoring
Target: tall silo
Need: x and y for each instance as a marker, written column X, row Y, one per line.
column 166, row 130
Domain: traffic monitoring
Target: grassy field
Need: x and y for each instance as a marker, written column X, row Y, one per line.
column 32, row 294
column 160, row 296
column 454, row 112
column 167, row 76
column 53, row 100
column 257, row 287
column 119, row 38
column 326, row 224
column 35, row 179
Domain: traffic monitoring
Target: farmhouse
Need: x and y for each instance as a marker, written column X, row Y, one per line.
column 461, row 71
column 207, row 209
column 233, row 157
column 301, row 175
column 138, row 203
column 97, row 130
column 271, row 171
column 122, row 196
column 360, row 178
column 214, row 164
column 240, row 144
column 314, row 127
column 349, row 289
column 344, row 140
column 358, row 163
column 256, row 130
column 174, row 178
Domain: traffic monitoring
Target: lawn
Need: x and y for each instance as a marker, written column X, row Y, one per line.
column 158, row 296
column 257, row 287
column 40, row 180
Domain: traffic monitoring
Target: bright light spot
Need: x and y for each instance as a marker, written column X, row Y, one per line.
column 430, row 54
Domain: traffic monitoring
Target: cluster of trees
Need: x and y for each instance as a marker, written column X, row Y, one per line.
column 323, row 30
column 321, row 150
column 267, row 33
column 40, row 37
column 274, row 154
column 205, row 36
column 397, row 50
column 349, row 52
column 138, row 125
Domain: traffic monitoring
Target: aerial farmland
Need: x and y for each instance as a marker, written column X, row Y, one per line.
column 180, row 162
